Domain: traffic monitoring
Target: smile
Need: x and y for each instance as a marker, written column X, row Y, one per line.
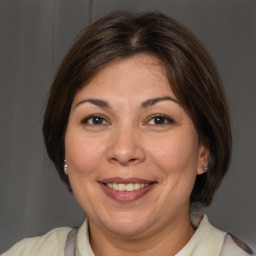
column 126, row 190
column 126, row 187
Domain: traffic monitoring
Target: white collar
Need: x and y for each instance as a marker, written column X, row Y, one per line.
column 207, row 240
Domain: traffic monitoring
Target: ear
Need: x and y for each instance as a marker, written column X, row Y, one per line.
column 203, row 158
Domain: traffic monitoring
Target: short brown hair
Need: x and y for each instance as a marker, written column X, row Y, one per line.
column 190, row 70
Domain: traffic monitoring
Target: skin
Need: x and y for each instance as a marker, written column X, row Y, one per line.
column 128, row 141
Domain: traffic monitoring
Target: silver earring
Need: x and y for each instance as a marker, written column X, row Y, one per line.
column 65, row 167
column 205, row 169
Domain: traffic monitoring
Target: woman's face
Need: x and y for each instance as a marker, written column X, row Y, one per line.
column 132, row 151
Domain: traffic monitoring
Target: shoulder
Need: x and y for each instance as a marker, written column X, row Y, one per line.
column 235, row 247
column 208, row 240
column 52, row 243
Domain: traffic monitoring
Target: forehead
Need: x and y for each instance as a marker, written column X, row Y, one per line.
column 137, row 75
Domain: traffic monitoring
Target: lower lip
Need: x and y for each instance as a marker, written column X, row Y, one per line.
column 126, row 196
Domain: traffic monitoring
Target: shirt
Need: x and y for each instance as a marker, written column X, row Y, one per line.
column 207, row 240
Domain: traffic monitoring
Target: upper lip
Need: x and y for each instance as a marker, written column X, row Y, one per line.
column 120, row 180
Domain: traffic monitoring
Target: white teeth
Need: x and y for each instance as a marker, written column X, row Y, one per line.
column 129, row 187
column 136, row 186
column 121, row 187
column 126, row 187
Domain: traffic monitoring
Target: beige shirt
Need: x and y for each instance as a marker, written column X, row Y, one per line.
column 207, row 240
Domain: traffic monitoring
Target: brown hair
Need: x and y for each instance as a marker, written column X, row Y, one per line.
column 189, row 68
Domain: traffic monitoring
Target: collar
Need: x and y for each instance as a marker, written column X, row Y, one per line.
column 207, row 240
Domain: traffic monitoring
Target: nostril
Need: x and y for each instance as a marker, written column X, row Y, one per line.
column 125, row 155
column 124, row 161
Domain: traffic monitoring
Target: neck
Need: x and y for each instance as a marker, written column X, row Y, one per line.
column 166, row 241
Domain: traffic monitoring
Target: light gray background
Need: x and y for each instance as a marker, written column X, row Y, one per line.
column 35, row 35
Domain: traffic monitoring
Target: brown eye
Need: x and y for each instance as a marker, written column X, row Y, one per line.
column 160, row 120
column 94, row 120
column 97, row 120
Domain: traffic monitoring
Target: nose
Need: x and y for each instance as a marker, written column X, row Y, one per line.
column 126, row 148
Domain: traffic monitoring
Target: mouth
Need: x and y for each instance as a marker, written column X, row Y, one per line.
column 126, row 187
column 126, row 190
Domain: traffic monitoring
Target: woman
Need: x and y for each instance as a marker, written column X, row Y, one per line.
column 138, row 127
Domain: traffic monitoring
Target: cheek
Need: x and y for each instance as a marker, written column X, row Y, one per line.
column 82, row 153
column 178, row 153
column 83, row 156
column 177, row 159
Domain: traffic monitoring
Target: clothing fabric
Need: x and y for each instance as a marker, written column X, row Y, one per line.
column 207, row 240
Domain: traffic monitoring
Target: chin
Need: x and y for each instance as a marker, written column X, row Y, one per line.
column 127, row 225
column 127, row 229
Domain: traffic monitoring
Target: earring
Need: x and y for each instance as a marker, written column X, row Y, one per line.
column 65, row 167
column 205, row 169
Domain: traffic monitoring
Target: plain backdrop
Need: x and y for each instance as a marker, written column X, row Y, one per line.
column 34, row 37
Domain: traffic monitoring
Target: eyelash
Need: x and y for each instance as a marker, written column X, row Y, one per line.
column 94, row 116
column 167, row 120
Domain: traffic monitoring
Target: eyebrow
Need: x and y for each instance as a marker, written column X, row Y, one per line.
column 151, row 102
column 144, row 104
column 97, row 102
